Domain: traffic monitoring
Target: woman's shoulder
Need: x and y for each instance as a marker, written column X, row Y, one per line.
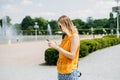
column 75, row 35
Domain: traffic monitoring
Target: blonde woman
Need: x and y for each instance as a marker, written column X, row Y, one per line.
column 68, row 50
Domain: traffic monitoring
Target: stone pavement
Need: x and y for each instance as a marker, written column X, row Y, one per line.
column 100, row 65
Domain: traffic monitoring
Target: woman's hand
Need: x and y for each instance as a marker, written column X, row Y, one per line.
column 52, row 44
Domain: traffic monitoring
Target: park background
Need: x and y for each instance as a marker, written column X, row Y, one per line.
column 25, row 60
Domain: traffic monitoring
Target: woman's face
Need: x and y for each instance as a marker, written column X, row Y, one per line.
column 62, row 28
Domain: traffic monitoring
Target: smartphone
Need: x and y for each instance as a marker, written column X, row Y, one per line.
column 47, row 39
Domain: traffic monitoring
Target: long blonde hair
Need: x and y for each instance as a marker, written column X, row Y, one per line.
column 66, row 22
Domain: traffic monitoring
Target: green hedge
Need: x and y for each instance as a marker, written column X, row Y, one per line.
column 86, row 47
column 51, row 56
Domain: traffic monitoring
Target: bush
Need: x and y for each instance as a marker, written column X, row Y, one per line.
column 113, row 39
column 100, row 43
column 51, row 56
column 106, row 42
column 91, row 44
column 86, row 47
column 110, row 36
column 83, row 51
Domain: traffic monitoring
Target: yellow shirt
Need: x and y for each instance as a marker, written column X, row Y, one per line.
column 64, row 64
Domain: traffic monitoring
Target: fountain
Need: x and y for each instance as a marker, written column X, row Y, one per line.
column 49, row 32
column 92, row 32
column 7, row 32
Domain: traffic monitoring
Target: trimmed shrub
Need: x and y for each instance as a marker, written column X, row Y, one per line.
column 100, row 43
column 113, row 39
column 83, row 51
column 110, row 36
column 106, row 42
column 86, row 47
column 91, row 44
column 51, row 56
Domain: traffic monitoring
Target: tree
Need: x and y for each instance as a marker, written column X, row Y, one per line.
column 100, row 23
column 8, row 19
column 27, row 21
column 17, row 26
column 78, row 23
column 90, row 23
column 30, row 30
column 42, row 23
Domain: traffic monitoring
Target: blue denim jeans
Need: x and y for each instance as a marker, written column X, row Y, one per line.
column 71, row 76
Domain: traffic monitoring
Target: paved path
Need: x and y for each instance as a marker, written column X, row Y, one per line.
column 100, row 65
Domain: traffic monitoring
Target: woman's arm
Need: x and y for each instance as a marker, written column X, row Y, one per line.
column 73, row 48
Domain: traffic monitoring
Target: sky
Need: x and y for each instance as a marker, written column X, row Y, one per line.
column 53, row 9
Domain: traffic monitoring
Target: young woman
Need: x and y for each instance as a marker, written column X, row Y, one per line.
column 68, row 50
